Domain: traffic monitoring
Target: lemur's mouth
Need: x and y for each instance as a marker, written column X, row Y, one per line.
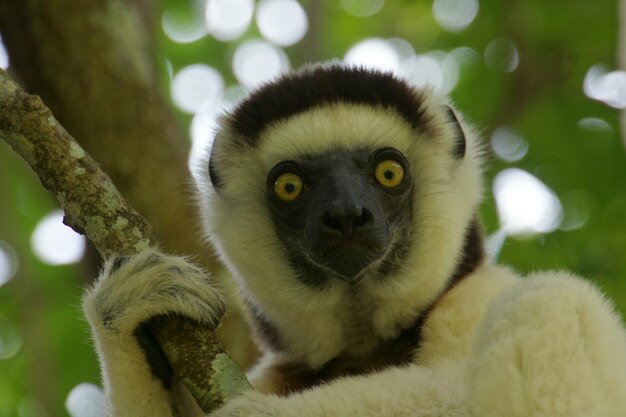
column 348, row 258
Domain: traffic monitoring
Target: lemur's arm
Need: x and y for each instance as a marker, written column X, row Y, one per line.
column 411, row 391
column 129, row 292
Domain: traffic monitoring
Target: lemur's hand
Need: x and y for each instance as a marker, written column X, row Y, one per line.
column 132, row 290
column 129, row 292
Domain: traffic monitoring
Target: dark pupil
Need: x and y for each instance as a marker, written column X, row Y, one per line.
column 388, row 175
column 290, row 188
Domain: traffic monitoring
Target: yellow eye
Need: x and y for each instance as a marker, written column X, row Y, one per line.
column 288, row 187
column 389, row 173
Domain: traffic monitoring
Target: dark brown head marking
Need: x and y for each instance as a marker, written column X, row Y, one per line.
column 322, row 85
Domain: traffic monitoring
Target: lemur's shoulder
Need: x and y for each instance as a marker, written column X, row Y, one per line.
column 450, row 327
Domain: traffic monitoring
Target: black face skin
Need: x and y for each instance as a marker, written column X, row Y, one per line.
column 345, row 220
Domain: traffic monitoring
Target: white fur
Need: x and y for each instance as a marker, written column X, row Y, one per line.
column 495, row 345
column 415, row 391
column 119, row 302
column 549, row 346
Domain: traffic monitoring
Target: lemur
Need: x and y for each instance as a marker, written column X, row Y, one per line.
column 344, row 202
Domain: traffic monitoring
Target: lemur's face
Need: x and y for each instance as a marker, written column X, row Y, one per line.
column 336, row 184
column 342, row 211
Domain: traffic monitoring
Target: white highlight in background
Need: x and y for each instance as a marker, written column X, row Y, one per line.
column 508, row 144
column 595, row 124
column 86, row 400
column 465, row 56
column 374, row 53
column 455, row 15
column 195, row 86
column 8, row 262
column 403, row 48
column 525, row 205
column 607, row 87
column 283, row 22
column 577, row 208
column 4, row 56
column 501, row 55
column 257, row 61
column 10, row 339
column 183, row 27
column 204, row 126
column 228, row 19
column 55, row 243
column 435, row 69
column 494, row 243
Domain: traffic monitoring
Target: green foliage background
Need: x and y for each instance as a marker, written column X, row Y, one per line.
column 543, row 99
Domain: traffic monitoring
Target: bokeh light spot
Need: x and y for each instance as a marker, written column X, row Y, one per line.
column 595, row 124
column 85, row 400
column 508, row 144
column 55, row 243
column 4, row 56
column 362, row 8
column 525, row 204
column 464, row 55
column 228, row 19
column 10, row 339
column 436, row 69
column 195, row 86
column 8, row 262
column 607, row 87
column 494, row 243
column 577, row 207
column 204, row 125
column 403, row 48
column 374, row 53
column 455, row 15
column 183, row 27
column 232, row 96
column 283, row 22
column 501, row 55
column 257, row 61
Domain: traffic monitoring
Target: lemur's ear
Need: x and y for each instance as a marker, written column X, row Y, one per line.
column 215, row 179
column 459, row 136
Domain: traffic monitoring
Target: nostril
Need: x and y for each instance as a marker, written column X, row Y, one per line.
column 331, row 221
column 346, row 220
column 363, row 219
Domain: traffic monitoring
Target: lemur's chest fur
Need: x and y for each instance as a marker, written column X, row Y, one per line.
column 364, row 353
column 444, row 328
column 444, row 332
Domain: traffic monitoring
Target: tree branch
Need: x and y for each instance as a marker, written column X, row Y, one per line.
column 94, row 207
